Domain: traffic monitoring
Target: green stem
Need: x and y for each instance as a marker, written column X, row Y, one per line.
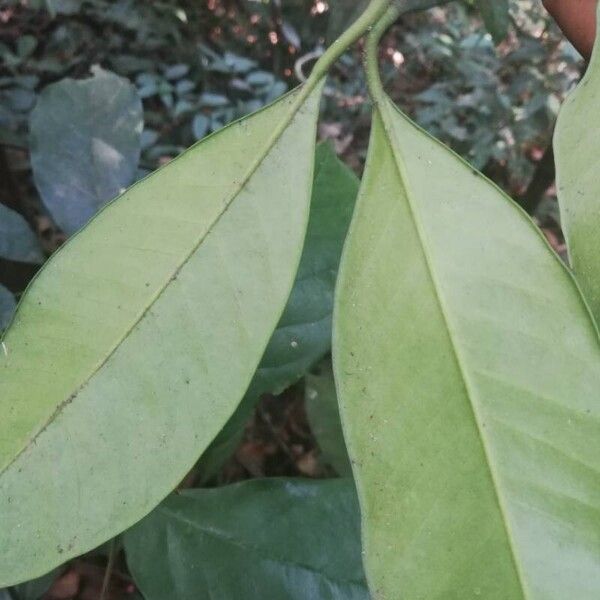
column 372, row 52
column 398, row 8
column 370, row 16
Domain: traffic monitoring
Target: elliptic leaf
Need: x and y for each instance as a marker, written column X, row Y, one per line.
column 263, row 539
column 324, row 417
column 85, row 145
column 468, row 369
column 303, row 335
column 17, row 240
column 138, row 339
column 576, row 148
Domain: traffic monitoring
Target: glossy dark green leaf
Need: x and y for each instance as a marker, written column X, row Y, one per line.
column 576, row 148
column 324, row 417
column 263, row 539
column 303, row 335
column 85, row 145
column 17, row 240
column 468, row 368
column 138, row 339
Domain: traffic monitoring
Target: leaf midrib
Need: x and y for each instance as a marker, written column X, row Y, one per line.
column 384, row 112
column 270, row 144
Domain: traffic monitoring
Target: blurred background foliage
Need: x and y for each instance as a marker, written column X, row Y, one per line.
column 199, row 65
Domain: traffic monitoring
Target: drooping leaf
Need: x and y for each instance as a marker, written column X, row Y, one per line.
column 576, row 148
column 303, row 335
column 495, row 16
column 7, row 307
column 277, row 539
column 138, row 339
column 17, row 240
column 324, row 417
column 468, row 368
column 85, row 145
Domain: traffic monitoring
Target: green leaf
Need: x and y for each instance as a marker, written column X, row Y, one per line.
column 468, row 368
column 138, row 339
column 17, row 240
column 576, row 148
column 324, row 418
column 277, row 539
column 26, row 45
column 35, row 589
column 85, row 145
column 303, row 335
column 495, row 17
column 7, row 307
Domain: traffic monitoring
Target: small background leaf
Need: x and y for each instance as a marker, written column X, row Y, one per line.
column 342, row 14
column 495, row 16
column 17, row 240
column 324, row 417
column 35, row 589
column 85, row 145
column 271, row 539
column 7, row 307
column 577, row 149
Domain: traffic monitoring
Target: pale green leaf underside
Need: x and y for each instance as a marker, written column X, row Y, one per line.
column 135, row 344
column 468, row 368
column 577, row 151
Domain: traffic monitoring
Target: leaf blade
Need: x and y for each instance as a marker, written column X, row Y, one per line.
column 218, row 541
column 17, row 240
column 151, row 347
column 85, row 145
column 455, row 423
column 575, row 148
column 495, row 14
column 324, row 418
